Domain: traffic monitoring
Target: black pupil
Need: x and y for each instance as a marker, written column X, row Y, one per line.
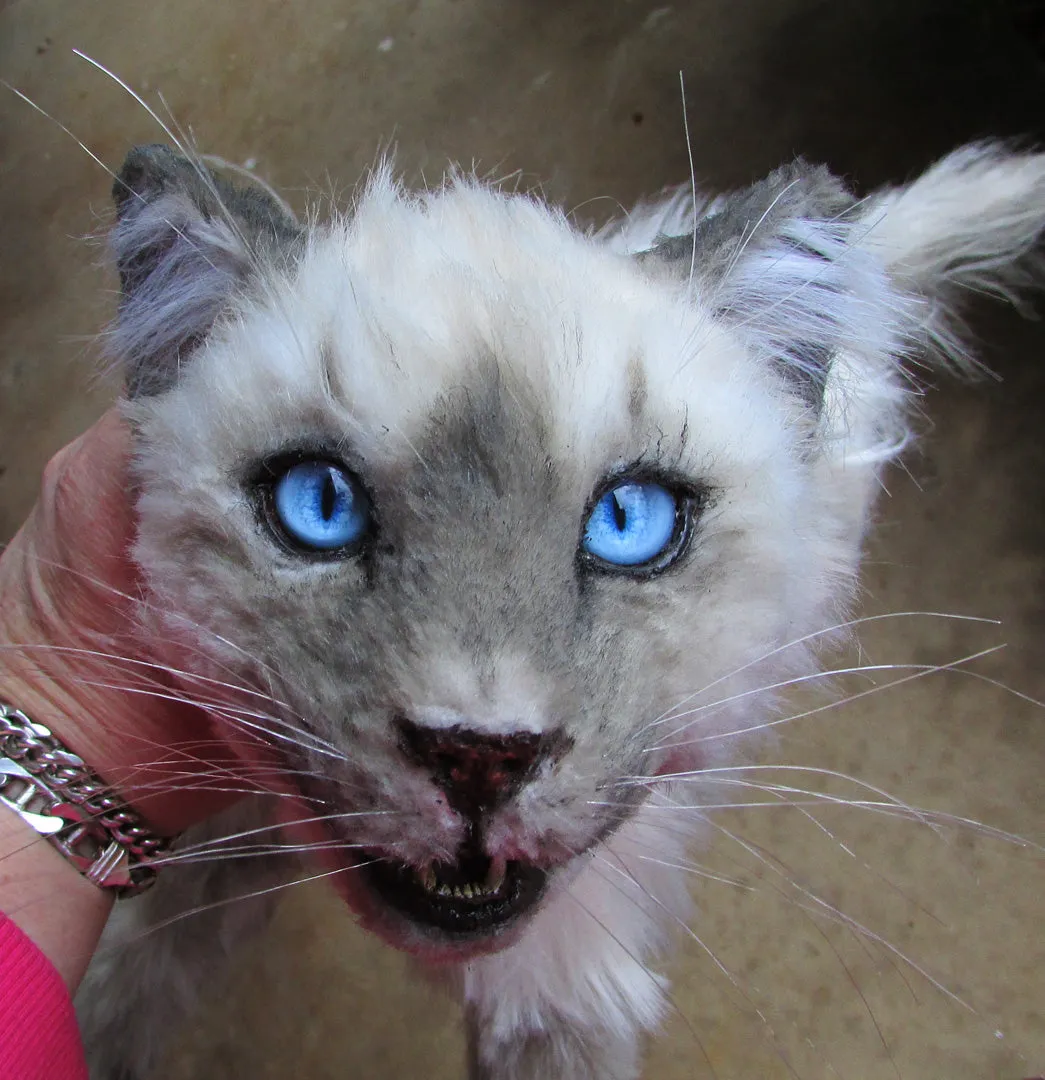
column 329, row 497
column 620, row 517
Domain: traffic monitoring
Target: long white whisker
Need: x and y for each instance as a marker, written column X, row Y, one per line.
column 728, row 775
column 254, row 894
column 709, row 952
column 919, row 674
column 234, row 716
column 796, row 680
column 693, row 186
column 247, row 851
column 315, row 819
column 136, row 601
column 182, row 144
column 697, row 871
column 224, row 710
column 44, row 113
column 822, row 907
column 148, row 665
column 644, row 969
column 848, row 624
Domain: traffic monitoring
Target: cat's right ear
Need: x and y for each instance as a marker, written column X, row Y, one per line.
column 185, row 241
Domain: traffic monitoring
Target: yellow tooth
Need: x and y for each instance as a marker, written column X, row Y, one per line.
column 457, row 892
column 444, row 890
column 427, row 878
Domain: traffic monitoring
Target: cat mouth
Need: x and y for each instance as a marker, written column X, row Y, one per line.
column 473, row 897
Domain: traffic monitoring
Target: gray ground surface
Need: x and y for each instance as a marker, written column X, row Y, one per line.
column 583, row 97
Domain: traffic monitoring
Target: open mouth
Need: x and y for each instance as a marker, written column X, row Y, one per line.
column 476, row 895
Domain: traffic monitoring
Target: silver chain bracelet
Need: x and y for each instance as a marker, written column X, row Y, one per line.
column 55, row 794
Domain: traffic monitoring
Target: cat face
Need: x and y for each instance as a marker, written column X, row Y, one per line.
column 490, row 520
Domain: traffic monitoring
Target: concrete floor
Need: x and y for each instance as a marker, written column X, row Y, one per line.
column 583, row 97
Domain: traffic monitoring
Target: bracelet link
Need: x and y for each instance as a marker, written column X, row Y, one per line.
column 52, row 790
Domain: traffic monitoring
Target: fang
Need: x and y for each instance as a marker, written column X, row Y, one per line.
column 495, row 876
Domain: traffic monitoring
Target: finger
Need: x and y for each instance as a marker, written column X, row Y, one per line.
column 86, row 502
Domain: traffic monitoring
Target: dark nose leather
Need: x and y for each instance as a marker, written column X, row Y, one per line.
column 477, row 771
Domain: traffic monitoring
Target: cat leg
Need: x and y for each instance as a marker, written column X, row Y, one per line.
column 574, row 997
column 161, row 949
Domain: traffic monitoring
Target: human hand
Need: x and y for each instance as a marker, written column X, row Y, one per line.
column 69, row 655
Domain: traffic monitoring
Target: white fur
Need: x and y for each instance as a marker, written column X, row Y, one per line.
column 382, row 321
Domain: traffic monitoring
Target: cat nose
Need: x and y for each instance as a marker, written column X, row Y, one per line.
column 477, row 771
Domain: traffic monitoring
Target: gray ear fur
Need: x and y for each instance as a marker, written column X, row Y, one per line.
column 185, row 240
column 801, row 269
column 768, row 258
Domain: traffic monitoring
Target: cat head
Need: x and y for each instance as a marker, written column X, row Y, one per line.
column 494, row 520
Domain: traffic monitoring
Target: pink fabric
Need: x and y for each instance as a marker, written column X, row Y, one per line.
column 38, row 1035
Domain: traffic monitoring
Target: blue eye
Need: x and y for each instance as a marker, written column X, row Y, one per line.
column 320, row 506
column 632, row 524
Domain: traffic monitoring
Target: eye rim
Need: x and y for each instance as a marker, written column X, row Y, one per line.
column 690, row 501
column 263, row 484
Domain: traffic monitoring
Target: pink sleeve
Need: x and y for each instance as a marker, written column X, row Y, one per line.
column 38, row 1035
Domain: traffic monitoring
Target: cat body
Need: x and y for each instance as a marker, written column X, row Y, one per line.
column 488, row 537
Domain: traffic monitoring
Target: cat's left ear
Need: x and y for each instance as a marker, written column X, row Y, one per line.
column 185, row 241
column 803, row 271
column 770, row 261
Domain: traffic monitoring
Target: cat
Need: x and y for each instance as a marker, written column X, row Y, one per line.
column 496, row 534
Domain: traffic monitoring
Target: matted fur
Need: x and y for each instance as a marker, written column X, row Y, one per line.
column 483, row 367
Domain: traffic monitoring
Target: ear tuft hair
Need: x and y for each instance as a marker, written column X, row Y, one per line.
column 185, row 240
column 970, row 224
